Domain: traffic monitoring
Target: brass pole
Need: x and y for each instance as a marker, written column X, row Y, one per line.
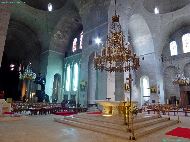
column 130, row 102
column 132, row 130
column 124, row 112
column 130, row 89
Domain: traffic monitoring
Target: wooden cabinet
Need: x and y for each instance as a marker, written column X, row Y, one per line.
column 184, row 96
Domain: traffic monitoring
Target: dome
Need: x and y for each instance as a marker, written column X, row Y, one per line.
column 165, row 6
column 43, row 4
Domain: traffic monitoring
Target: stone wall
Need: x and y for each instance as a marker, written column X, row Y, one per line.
column 4, row 22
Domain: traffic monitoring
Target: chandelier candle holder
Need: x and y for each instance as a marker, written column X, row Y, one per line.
column 28, row 76
column 180, row 79
column 117, row 56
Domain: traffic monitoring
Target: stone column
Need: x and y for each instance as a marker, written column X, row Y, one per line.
column 4, row 22
column 78, row 92
column 64, row 79
column 71, row 76
column 111, row 86
column 54, row 65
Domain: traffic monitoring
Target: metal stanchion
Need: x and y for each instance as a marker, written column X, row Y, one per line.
column 132, row 129
column 124, row 113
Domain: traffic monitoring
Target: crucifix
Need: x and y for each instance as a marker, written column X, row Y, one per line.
column 130, row 87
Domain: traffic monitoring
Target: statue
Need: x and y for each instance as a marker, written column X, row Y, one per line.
column 41, row 80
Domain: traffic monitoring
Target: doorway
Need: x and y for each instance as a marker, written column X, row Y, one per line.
column 188, row 97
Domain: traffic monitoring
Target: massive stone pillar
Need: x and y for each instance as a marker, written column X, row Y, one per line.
column 96, row 27
column 4, row 22
column 51, row 64
column 111, row 86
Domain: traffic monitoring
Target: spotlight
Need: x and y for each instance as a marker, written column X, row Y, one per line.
column 12, row 65
column 98, row 40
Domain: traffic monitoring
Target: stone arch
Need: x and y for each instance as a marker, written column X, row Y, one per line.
column 165, row 6
column 22, row 44
column 141, row 35
column 170, row 89
column 42, row 4
column 66, row 28
column 171, row 27
column 187, row 70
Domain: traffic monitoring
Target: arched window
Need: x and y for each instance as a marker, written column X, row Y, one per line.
column 74, row 45
column 68, row 78
column 81, row 39
column 145, row 89
column 186, row 42
column 173, row 48
column 75, row 77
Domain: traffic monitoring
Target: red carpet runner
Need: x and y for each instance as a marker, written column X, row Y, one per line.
column 94, row 112
column 65, row 113
column 180, row 132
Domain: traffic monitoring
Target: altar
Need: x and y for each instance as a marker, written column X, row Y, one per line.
column 113, row 108
column 4, row 106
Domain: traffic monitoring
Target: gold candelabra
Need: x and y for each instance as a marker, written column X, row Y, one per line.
column 180, row 79
column 117, row 56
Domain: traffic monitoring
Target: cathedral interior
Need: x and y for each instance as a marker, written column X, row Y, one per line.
column 66, row 52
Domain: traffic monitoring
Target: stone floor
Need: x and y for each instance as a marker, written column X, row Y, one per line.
column 44, row 129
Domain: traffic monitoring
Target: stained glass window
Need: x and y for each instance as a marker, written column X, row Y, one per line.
column 75, row 77
column 74, row 45
column 186, row 42
column 68, row 78
column 173, row 48
column 81, row 39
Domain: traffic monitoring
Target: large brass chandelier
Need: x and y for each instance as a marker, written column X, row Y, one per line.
column 180, row 79
column 116, row 55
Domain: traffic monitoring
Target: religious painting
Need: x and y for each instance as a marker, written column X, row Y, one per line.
column 83, row 85
column 153, row 89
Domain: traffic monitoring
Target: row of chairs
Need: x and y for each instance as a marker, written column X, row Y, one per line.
column 166, row 109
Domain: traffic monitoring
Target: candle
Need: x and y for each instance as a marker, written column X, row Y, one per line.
column 167, row 101
column 176, row 103
column 95, row 55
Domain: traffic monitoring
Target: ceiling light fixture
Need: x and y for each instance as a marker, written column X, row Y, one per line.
column 98, row 40
column 156, row 10
column 50, row 7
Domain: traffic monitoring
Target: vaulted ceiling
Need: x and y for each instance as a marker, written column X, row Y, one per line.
column 42, row 4
column 165, row 6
